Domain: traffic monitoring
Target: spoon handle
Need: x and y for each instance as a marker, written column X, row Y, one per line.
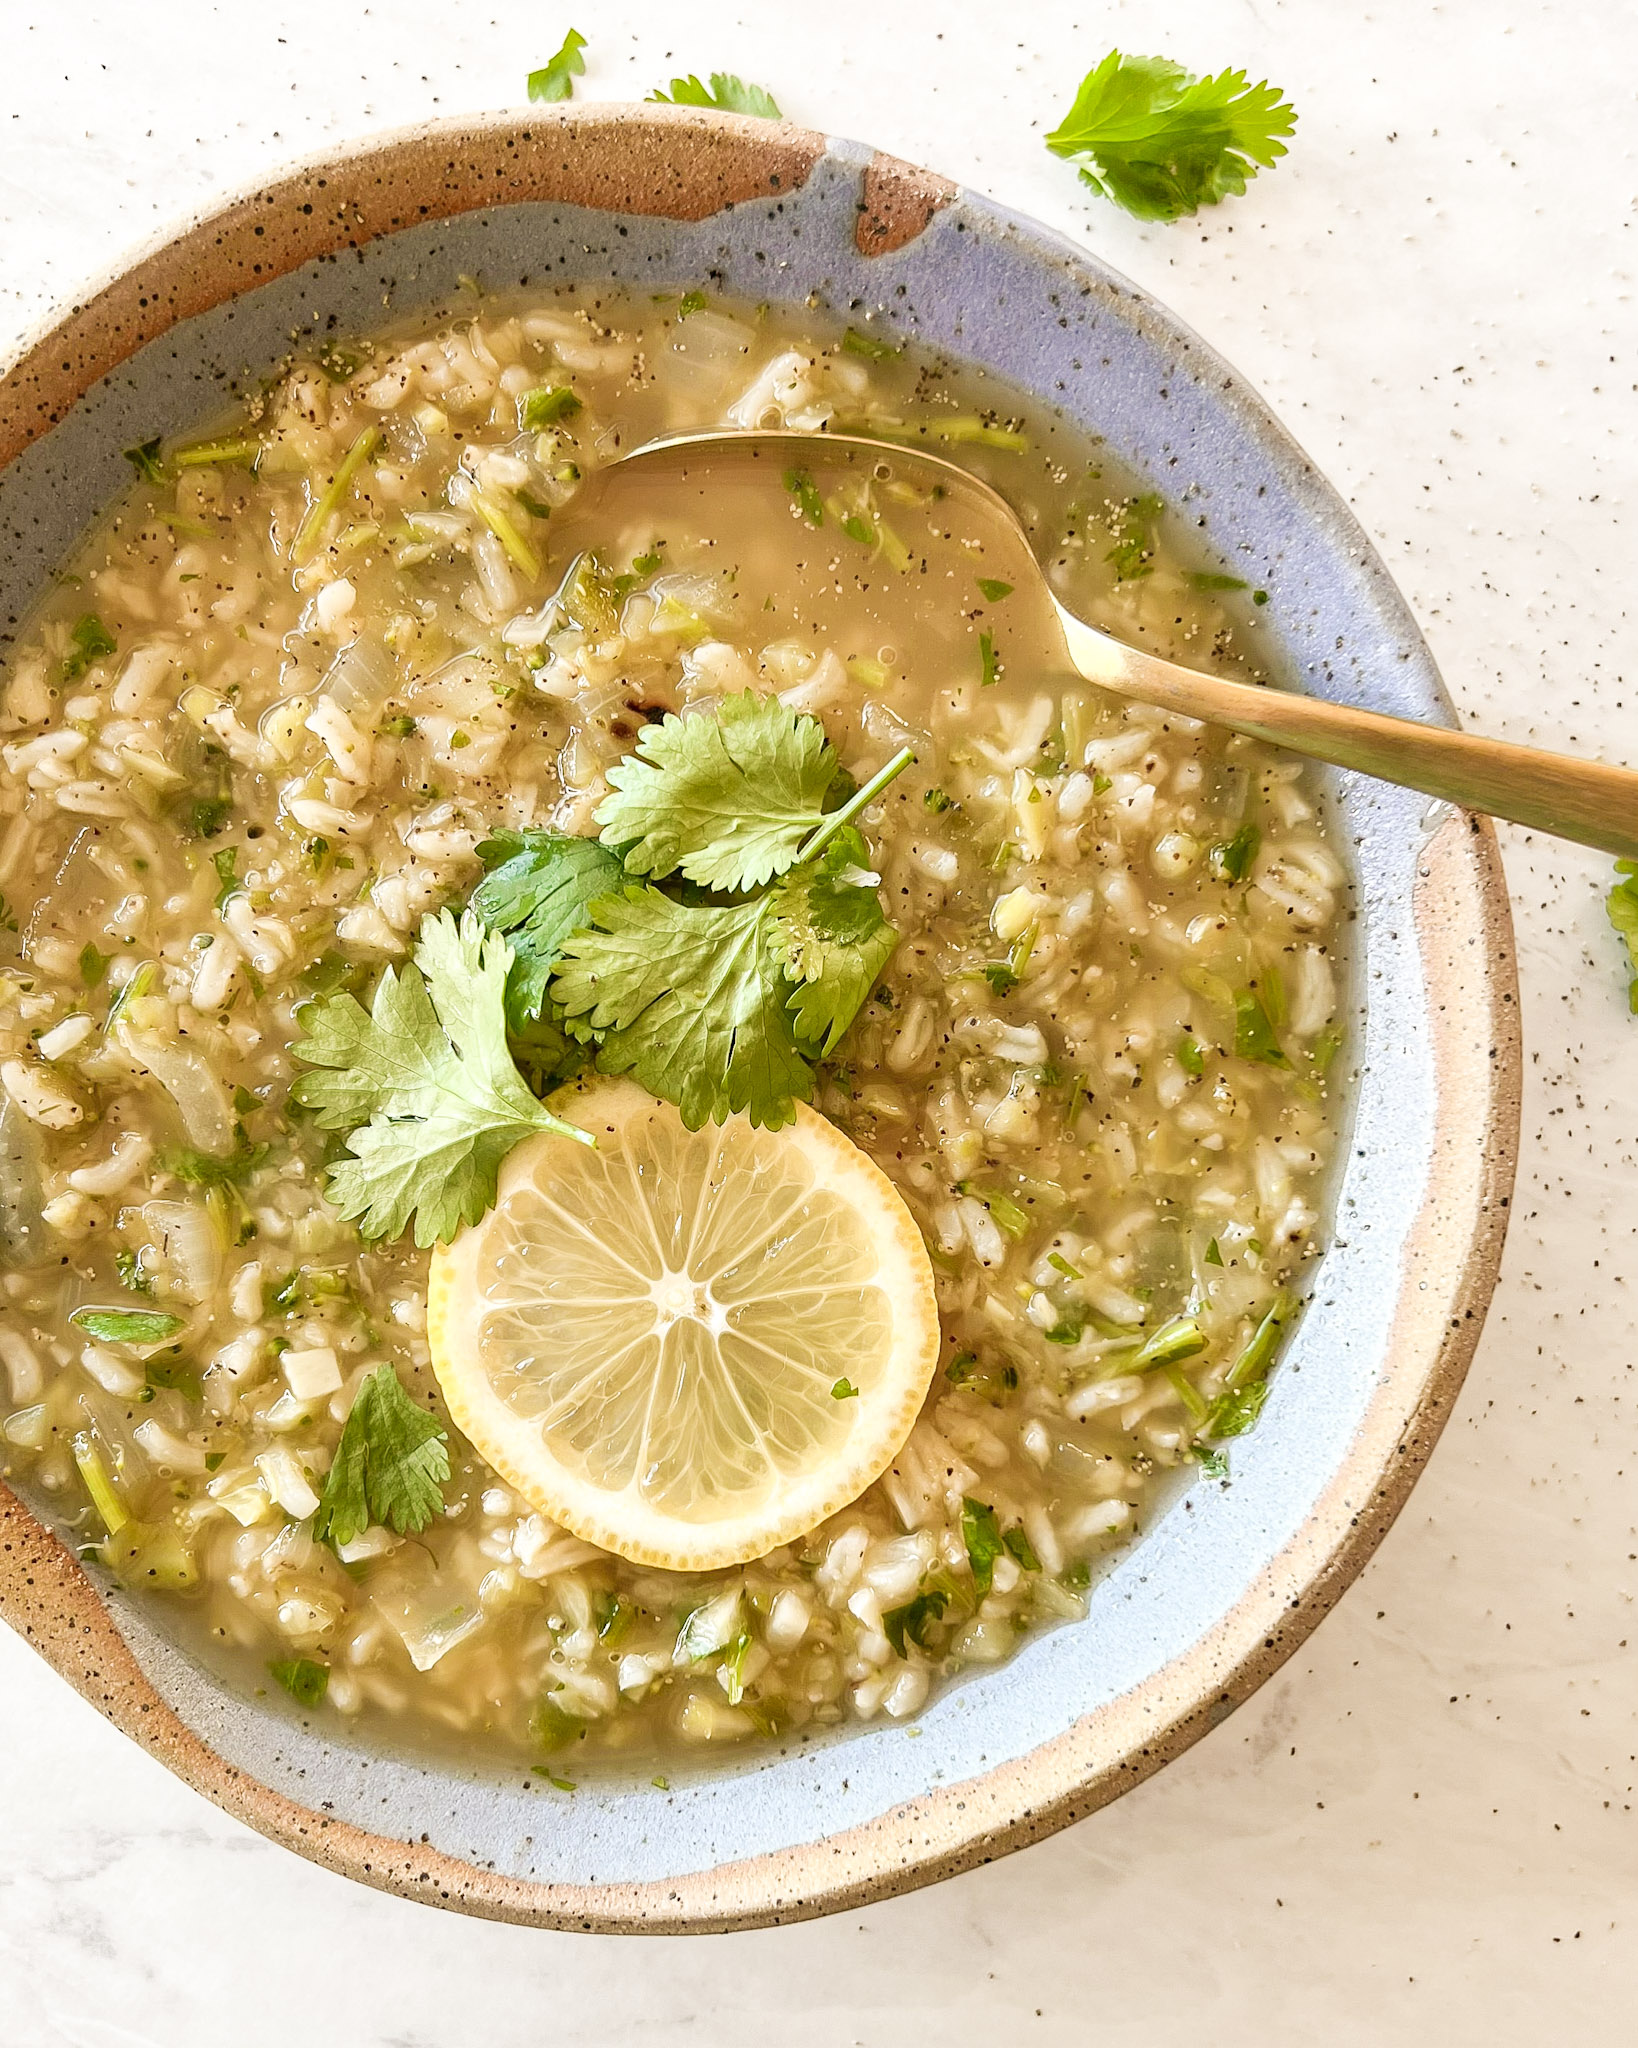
column 1587, row 801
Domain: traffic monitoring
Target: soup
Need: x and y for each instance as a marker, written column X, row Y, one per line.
column 319, row 674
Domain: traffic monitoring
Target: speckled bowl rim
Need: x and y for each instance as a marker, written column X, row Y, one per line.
column 686, row 165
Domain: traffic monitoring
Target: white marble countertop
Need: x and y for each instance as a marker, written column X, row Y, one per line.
column 1422, row 1828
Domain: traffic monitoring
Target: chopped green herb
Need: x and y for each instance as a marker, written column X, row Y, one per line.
column 1162, row 143
column 1259, row 597
column 1213, row 1463
column 1189, row 1056
column 218, row 454
column 1060, row 1264
column 1231, row 858
column 1199, row 579
column 870, row 346
column 1245, row 1386
column 1180, row 1338
column 1018, row 1546
column 225, row 861
column 330, row 500
column 981, row 1533
column 1213, row 1256
column 1011, row 1218
column 691, row 302
column 1328, row 1045
column 305, row 1681
column 984, row 1377
column 126, row 1325
column 208, row 815
column 213, row 1170
column 844, row 1390
column 1133, row 530
column 1254, row 1031
column 93, row 965
column 914, row 1622
column 389, row 1468
column 732, row 95
column 340, row 364
column 145, row 460
column 800, row 484
column 935, row 800
column 993, row 589
column 555, row 78
column 858, row 528
column 545, row 406
column 551, row 1727
column 1070, row 1326
column 175, row 1373
column 424, row 1083
column 89, row 641
column 128, row 1265
column 990, row 667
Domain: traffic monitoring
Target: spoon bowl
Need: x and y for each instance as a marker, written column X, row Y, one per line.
column 815, row 477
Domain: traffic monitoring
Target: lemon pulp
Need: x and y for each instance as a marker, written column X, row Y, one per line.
column 687, row 1347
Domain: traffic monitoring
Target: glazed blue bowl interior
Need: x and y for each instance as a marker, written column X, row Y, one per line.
column 998, row 291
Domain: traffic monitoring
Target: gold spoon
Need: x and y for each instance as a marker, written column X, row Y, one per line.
column 1590, row 802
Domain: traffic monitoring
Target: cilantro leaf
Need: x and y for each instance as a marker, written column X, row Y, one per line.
column 690, row 999
column 1164, row 143
column 732, row 95
column 555, row 78
column 536, row 895
column 390, row 1465
column 426, row 1085
column 831, row 938
column 126, row 1325
column 727, row 799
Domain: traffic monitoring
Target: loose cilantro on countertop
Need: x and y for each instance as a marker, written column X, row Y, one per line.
column 732, row 95
column 1622, row 909
column 425, row 1084
column 555, row 78
column 1162, row 143
column 389, row 1468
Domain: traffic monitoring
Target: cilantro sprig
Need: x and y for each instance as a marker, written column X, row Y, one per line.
column 425, row 1084
column 726, row 801
column 715, row 1005
column 723, row 1007
column 1162, row 143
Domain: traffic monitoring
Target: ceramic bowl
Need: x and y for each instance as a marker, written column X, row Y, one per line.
column 1192, row 1618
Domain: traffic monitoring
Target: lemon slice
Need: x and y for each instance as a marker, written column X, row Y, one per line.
column 654, row 1342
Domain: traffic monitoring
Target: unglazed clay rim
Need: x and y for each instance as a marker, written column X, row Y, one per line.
column 686, row 164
